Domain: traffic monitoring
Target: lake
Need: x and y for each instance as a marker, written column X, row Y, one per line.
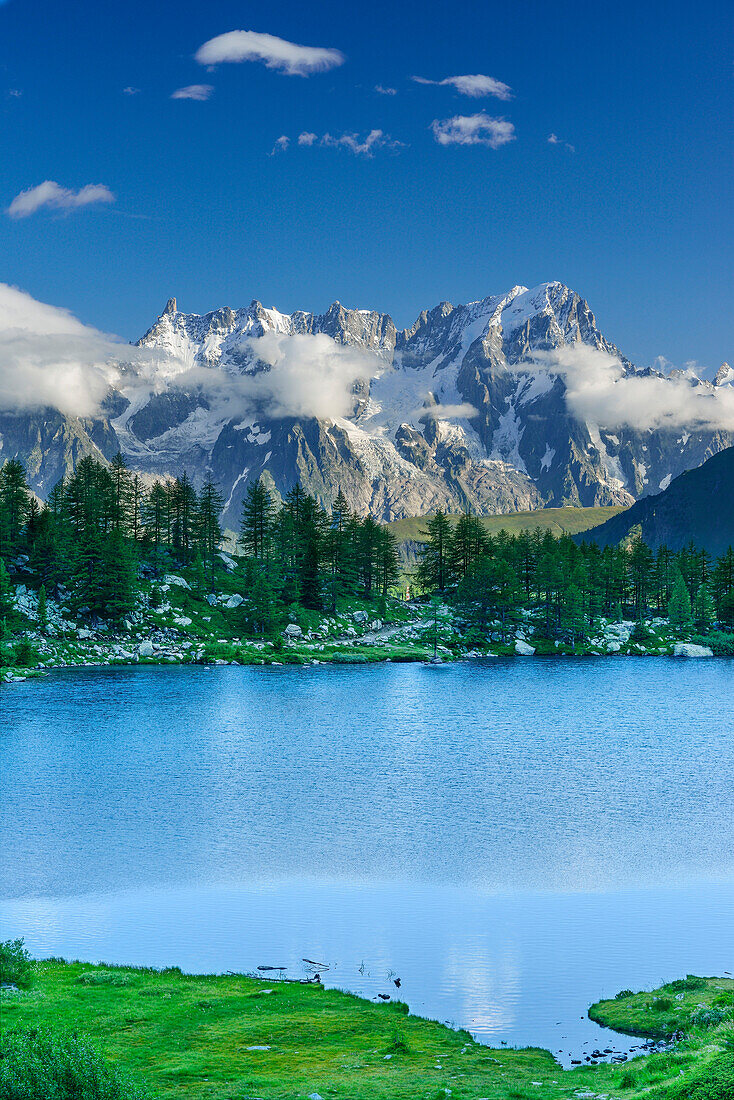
column 512, row 839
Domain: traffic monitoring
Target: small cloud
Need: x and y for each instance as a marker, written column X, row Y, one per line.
column 281, row 145
column 130, row 90
column 553, row 139
column 50, row 194
column 385, row 91
column 274, row 53
column 199, row 92
column 364, row 147
column 15, row 93
column 477, row 85
column 479, row 129
column 360, row 146
column 448, row 412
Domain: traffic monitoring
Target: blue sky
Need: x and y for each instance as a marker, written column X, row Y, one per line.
column 631, row 206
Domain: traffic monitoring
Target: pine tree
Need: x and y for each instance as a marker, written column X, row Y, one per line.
column 42, row 611
column 6, row 592
column 434, row 570
column 679, row 604
column 208, row 529
column 704, row 609
column 258, row 522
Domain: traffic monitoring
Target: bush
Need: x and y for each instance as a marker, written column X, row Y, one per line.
column 26, row 655
column 624, row 994
column 104, row 977
column 16, row 966
column 721, row 643
column 40, row 1065
column 683, row 985
column 662, row 1004
column 708, row 1017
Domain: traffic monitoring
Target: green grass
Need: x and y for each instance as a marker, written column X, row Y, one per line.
column 188, row 1036
column 560, row 521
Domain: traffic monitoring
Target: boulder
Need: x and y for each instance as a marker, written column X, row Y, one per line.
column 234, row 600
column 293, row 630
column 211, row 600
column 173, row 578
column 360, row 616
column 688, row 649
column 145, row 649
column 523, row 649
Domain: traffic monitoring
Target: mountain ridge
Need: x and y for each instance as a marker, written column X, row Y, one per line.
column 463, row 409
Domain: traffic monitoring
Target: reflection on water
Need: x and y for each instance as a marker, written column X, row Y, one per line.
column 513, row 840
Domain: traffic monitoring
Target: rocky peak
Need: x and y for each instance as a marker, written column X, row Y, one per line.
column 170, row 308
column 724, row 375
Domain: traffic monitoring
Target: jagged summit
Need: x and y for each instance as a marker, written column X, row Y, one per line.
column 724, row 375
column 458, row 412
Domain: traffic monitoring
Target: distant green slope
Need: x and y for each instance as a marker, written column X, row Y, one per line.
column 561, row 521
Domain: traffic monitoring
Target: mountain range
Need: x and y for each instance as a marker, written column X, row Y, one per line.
column 469, row 407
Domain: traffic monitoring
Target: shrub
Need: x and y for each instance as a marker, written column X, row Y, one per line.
column 683, row 985
column 41, row 1065
column 662, row 1004
column 26, row 655
column 720, row 642
column 104, row 977
column 628, row 1080
column 623, row 994
column 708, row 1017
column 16, row 967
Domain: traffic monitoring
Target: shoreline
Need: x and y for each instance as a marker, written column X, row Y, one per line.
column 251, row 1035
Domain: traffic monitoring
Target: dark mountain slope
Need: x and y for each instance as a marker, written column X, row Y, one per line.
column 697, row 506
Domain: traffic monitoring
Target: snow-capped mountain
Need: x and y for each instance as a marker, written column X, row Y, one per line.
column 465, row 408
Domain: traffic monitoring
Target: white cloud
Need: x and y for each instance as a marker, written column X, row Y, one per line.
column 275, row 53
column 479, row 129
column 553, row 139
column 52, row 195
column 385, row 91
column 130, row 90
column 449, row 412
column 361, row 146
column 199, row 92
column 15, row 93
column 599, row 389
column 281, row 144
column 49, row 358
column 477, row 85
column 364, row 147
column 305, row 375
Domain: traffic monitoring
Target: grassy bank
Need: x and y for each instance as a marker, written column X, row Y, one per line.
column 234, row 1037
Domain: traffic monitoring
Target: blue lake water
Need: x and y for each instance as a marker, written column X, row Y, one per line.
column 512, row 839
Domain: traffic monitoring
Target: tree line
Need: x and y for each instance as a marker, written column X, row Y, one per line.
column 493, row 578
column 102, row 529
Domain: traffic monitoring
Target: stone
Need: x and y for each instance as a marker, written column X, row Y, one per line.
column 211, row 600
column 360, row 616
column 145, row 649
column 293, row 630
column 523, row 649
column 173, row 578
column 234, row 601
column 688, row 649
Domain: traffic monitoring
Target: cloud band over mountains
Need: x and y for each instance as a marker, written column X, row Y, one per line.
column 48, row 358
